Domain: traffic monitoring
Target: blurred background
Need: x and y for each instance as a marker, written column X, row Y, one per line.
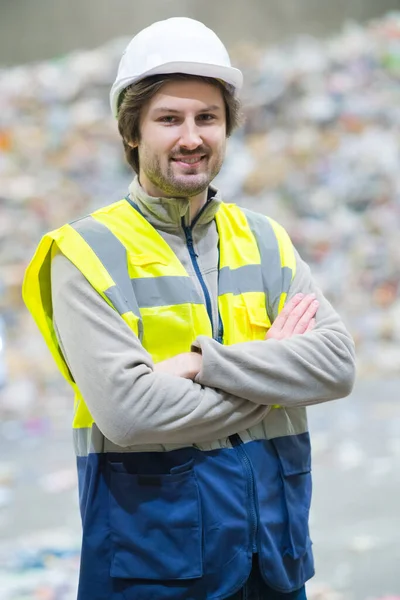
column 319, row 152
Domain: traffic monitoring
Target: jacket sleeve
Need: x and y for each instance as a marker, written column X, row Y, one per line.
column 130, row 403
column 302, row 370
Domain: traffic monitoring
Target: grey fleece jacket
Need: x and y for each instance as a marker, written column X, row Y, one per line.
column 134, row 406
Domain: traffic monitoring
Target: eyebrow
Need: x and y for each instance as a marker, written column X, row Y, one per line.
column 166, row 109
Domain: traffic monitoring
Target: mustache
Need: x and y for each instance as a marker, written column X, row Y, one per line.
column 185, row 152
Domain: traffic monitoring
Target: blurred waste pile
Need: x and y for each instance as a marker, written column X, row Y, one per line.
column 319, row 152
column 39, row 569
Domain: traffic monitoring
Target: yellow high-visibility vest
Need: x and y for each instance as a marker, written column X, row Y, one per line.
column 132, row 267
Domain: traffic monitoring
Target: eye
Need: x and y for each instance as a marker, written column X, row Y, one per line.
column 207, row 117
column 168, row 119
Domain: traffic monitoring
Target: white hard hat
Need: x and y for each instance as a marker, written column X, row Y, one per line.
column 176, row 45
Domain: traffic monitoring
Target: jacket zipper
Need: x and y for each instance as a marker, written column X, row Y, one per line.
column 193, row 257
column 237, row 443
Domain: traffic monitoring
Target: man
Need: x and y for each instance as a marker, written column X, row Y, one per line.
column 194, row 337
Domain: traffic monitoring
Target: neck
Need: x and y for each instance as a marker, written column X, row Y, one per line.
column 196, row 203
column 166, row 214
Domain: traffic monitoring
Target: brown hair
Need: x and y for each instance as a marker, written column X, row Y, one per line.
column 135, row 96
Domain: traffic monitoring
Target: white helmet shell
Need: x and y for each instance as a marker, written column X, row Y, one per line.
column 176, row 45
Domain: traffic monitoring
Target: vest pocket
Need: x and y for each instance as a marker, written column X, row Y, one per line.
column 155, row 523
column 250, row 320
column 295, row 467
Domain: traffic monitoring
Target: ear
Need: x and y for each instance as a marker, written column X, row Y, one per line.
column 131, row 144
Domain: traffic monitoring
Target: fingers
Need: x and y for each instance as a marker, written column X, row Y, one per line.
column 297, row 317
column 187, row 365
column 310, row 326
column 301, row 315
column 281, row 319
column 304, row 321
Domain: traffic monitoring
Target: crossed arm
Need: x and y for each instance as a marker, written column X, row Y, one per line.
column 297, row 317
column 135, row 402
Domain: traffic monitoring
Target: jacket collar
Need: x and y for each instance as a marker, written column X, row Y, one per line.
column 167, row 213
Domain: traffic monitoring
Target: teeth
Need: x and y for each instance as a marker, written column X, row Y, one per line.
column 188, row 161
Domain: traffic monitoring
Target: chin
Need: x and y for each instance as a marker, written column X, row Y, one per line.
column 192, row 189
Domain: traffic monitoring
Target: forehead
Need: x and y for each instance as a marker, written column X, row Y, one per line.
column 187, row 95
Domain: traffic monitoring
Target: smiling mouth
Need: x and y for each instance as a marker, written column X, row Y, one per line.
column 189, row 161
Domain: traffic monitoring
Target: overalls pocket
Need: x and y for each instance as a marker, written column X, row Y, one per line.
column 155, row 523
column 295, row 467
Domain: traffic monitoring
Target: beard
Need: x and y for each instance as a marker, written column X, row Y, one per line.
column 192, row 182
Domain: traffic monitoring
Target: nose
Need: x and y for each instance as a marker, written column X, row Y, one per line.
column 190, row 135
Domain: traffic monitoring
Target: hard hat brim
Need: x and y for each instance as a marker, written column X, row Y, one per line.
column 229, row 75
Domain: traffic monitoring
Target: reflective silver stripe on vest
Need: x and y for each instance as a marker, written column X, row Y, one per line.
column 287, row 276
column 89, row 440
column 276, row 279
column 240, row 280
column 279, row 422
column 113, row 256
column 166, row 290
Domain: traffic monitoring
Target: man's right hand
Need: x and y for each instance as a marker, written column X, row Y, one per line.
column 186, row 365
column 297, row 317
